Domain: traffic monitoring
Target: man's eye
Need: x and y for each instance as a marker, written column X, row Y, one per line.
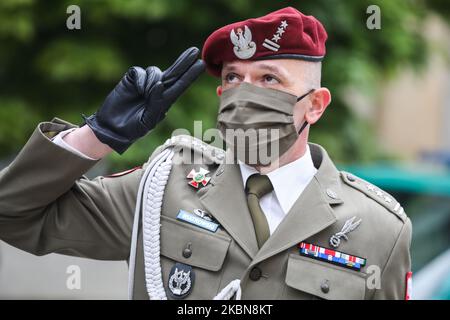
column 231, row 78
column 270, row 79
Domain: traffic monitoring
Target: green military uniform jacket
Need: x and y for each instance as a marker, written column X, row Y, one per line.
column 47, row 205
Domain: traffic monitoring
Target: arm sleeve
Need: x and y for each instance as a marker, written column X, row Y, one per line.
column 47, row 205
column 393, row 276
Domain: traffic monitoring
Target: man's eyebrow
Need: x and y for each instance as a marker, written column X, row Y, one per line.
column 229, row 68
column 268, row 67
column 273, row 69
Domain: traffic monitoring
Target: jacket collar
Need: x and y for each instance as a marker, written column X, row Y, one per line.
column 310, row 214
column 294, row 177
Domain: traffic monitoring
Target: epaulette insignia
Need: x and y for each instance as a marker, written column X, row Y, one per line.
column 375, row 193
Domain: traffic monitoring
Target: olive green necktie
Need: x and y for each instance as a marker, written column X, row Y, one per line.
column 258, row 186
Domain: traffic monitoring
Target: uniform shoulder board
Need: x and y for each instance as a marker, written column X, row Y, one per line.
column 375, row 193
column 213, row 153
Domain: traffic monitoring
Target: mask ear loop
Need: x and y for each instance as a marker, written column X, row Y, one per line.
column 303, row 127
column 306, row 122
column 301, row 97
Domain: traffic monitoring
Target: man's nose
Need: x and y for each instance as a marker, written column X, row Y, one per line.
column 247, row 78
column 251, row 81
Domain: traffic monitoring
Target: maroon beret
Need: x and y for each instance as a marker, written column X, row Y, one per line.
column 285, row 33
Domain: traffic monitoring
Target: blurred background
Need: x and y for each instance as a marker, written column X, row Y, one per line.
column 389, row 121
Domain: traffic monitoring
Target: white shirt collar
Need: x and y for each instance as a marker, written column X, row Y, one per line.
column 288, row 181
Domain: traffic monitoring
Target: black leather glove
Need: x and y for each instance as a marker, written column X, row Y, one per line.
column 142, row 99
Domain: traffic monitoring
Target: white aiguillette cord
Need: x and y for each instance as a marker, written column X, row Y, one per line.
column 150, row 196
column 147, row 177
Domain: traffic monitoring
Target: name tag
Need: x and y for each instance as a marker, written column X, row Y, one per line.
column 197, row 221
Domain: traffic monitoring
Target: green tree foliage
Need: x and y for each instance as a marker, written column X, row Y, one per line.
column 47, row 70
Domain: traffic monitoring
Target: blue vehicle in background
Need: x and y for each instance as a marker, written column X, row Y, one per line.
column 425, row 195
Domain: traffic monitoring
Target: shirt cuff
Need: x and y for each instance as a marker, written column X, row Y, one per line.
column 58, row 140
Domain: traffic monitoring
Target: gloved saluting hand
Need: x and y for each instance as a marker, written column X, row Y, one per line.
column 141, row 100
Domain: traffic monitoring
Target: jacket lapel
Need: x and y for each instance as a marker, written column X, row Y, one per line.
column 311, row 213
column 225, row 200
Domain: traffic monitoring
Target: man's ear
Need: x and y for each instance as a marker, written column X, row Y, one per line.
column 319, row 101
column 219, row 91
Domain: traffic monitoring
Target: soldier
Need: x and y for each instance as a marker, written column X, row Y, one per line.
column 293, row 228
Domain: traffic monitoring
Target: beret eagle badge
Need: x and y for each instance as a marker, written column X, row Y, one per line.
column 244, row 47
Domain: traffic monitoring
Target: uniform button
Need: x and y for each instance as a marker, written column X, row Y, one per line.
column 351, row 177
column 220, row 156
column 325, row 287
column 331, row 194
column 187, row 252
column 255, row 274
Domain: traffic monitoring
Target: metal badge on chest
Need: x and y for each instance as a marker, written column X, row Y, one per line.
column 348, row 227
column 181, row 280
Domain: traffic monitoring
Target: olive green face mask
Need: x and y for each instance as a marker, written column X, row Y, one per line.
column 257, row 123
